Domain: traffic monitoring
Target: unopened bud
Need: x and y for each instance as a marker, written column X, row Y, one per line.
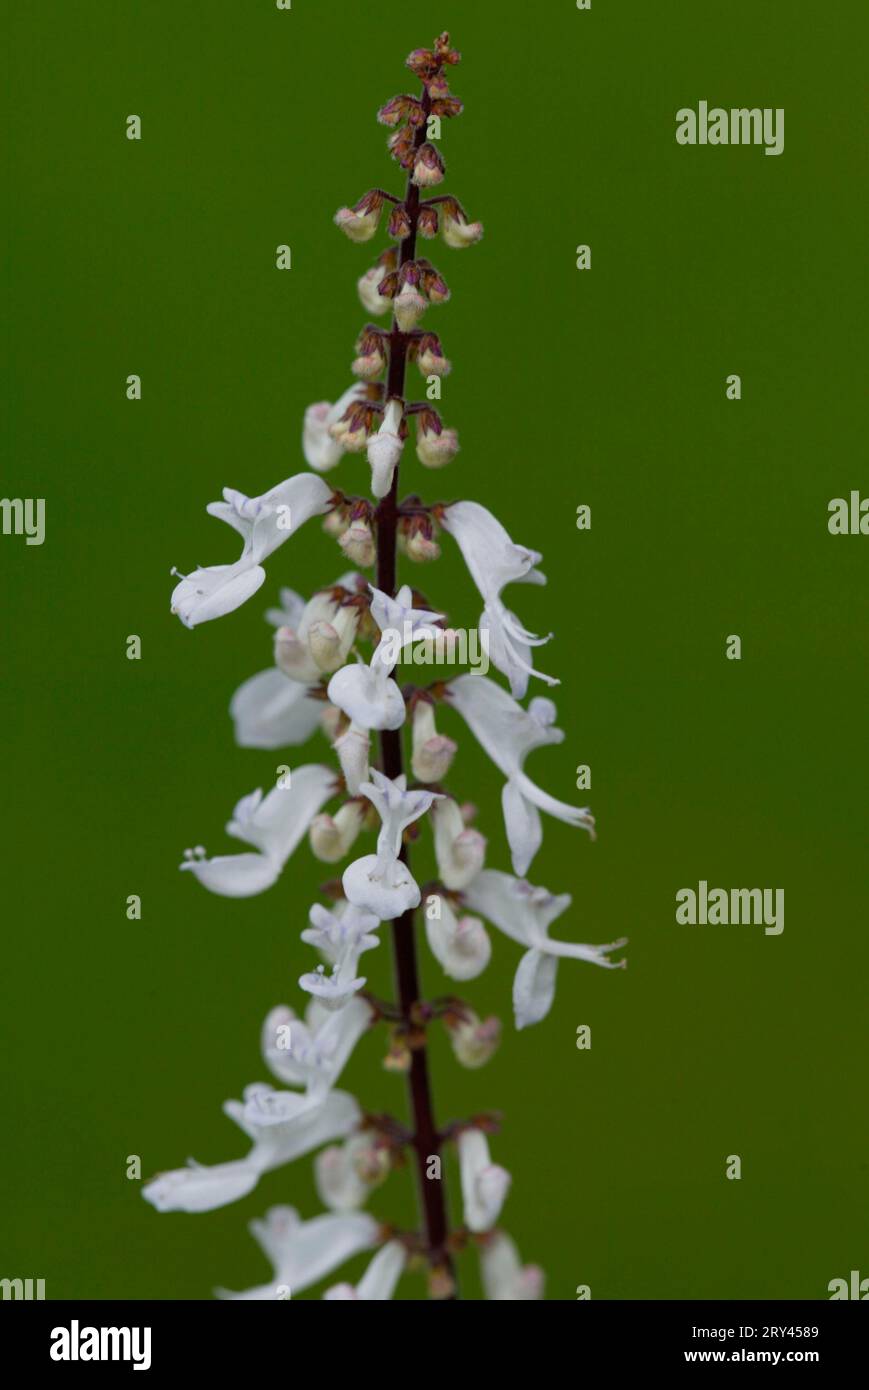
column 435, row 450
column 432, row 752
column 427, row 223
column 358, row 545
column 458, row 232
column 353, row 747
column 331, row 837
column 428, row 167
column 474, row 1040
column 409, row 306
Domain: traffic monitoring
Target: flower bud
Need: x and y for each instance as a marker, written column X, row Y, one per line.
column 435, row 447
column 360, row 222
column 293, row 657
column 473, row 1040
column 416, row 541
column 409, row 307
column 427, row 223
column 353, row 747
column 399, row 222
column 430, row 358
column 428, row 167
column 331, row 837
column 346, row 1173
column 357, row 543
column 460, row 852
column 458, row 232
column 460, row 945
column 336, row 521
column 398, row 1057
column 432, row 752
column 371, row 359
column 441, row 1283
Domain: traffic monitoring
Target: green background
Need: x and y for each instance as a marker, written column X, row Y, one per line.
column 603, row 387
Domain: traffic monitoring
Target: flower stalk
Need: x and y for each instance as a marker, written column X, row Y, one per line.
column 321, row 679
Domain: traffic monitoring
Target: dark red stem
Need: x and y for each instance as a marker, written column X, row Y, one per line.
column 426, row 1139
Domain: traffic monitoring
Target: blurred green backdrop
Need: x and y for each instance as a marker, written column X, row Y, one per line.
column 603, row 387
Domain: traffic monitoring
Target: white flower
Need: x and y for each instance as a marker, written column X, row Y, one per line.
column 286, row 1124
column 494, row 561
column 303, row 1252
column 345, row 1174
column 484, row 1184
column 313, row 1052
column 505, row 1278
column 379, row 1280
column 322, row 451
column 274, row 825
column 341, row 936
column 200, row 1188
column 508, row 734
column 384, row 449
column 525, row 914
column 380, row 882
column 359, row 224
column 264, row 523
column 460, row 850
column 366, row 694
column 460, row 945
column 432, row 752
column 271, row 711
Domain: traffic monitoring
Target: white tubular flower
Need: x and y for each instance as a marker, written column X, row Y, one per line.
column 379, row 1280
column 508, row 734
column 458, row 232
column 525, row 914
column 505, row 1278
column 286, row 1124
column 341, row 937
column 303, row 1252
column 271, row 711
column 484, row 1184
column 313, row 1052
column 264, row 523
column 353, row 748
column 199, row 1188
column 366, row 694
column 372, row 300
column 322, row 451
column 346, row 1174
column 332, row 837
column 460, row 850
column 460, row 945
column 380, row 882
column 494, row 561
column 274, row 825
column 384, row 449
column 432, row 752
